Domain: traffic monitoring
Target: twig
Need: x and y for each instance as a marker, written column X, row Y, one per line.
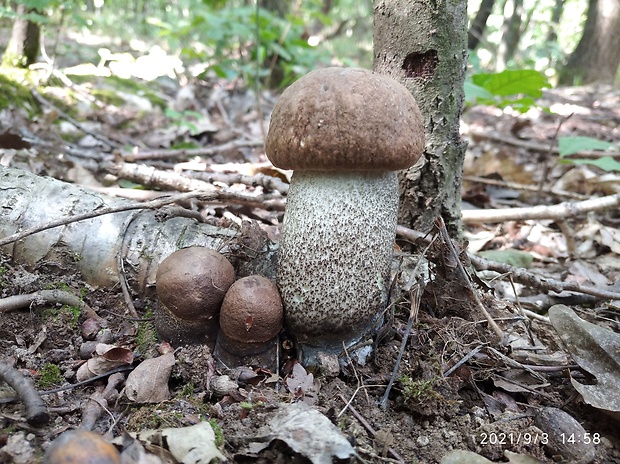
column 75, row 385
column 150, row 176
column 154, row 204
column 521, row 275
column 267, row 182
column 36, row 409
column 415, row 297
column 77, row 124
column 97, row 402
column 54, row 296
column 532, row 145
column 159, row 154
column 466, row 358
column 369, row 428
column 465, row 276
column 523, row 187
column 560, row 211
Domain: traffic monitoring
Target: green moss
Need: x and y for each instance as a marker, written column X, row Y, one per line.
column 219, row 433
column 108, row 96
column 418, row 391
column 15, row 90
column 49, row 375
column 146, row 337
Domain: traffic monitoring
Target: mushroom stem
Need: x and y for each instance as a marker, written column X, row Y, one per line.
column 335, row 253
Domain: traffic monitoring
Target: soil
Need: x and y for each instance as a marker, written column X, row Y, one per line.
column 460, row 385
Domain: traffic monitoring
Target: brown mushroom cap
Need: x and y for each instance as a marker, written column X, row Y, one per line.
column 252, row 310
column 81, row 446
column 192, row 282
column 345, row 119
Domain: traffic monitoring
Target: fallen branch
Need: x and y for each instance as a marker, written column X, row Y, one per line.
column 152, row 177
column 536, row 146
column 36, row 409
column 54, row 296
column 188, row 152
column 557, row 212
column 521, row 275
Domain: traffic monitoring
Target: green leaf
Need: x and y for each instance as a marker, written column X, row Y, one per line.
column 513, row 82
column 569, row 145
column 606, row 163
column 474, row 93
column 515, row 258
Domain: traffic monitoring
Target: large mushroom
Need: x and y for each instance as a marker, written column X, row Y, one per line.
column 345, row 132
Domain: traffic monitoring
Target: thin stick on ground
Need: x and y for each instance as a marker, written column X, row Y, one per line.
column 416, row 297
column 54, row 296
column 369, row 428
column 36, row 409
column 558, row 212
column 521, row 275
column 154, row 204
column 465, row 276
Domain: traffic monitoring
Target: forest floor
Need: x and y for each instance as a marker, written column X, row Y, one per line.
column 543, row 385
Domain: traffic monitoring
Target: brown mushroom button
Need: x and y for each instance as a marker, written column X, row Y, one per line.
column 252, row 310
column 192, row 282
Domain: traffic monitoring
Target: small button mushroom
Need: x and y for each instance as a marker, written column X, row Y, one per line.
column 81, row 446
column 344, row 132
column 250, row 320
column 191, row 284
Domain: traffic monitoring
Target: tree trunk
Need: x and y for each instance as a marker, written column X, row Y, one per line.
column 597, row 56
column 479, row 24
column 423, row 44
column 23, row 47
column 511, row 32
column 556, row 15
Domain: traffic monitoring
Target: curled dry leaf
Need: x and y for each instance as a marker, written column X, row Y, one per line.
column 109, row 357
column 148, row 382
column 595, row 349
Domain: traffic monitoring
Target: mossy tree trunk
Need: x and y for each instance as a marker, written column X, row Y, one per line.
column 23, row 46
column 423, row 44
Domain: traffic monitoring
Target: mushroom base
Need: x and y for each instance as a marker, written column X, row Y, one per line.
column 181, row 332
column 232, row 353
column 335, row 254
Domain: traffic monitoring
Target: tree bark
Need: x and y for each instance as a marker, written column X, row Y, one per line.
column 597, row 56
column 423, row 44
column 23, row 47
column 479, row 24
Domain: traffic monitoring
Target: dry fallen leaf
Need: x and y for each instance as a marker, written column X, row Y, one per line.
column 595, row 349
column 148, row 382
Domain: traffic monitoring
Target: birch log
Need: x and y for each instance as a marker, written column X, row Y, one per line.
column 130, row 242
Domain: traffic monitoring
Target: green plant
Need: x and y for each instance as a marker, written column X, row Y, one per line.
column 518, row 89
column 49, row 375
column 571, row 145
column 243, row 42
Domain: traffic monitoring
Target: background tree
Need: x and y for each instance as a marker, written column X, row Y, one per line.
column 23, row 46
column 597, row 55
column 511, row 32
column 423, row 44
column 479, row 24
